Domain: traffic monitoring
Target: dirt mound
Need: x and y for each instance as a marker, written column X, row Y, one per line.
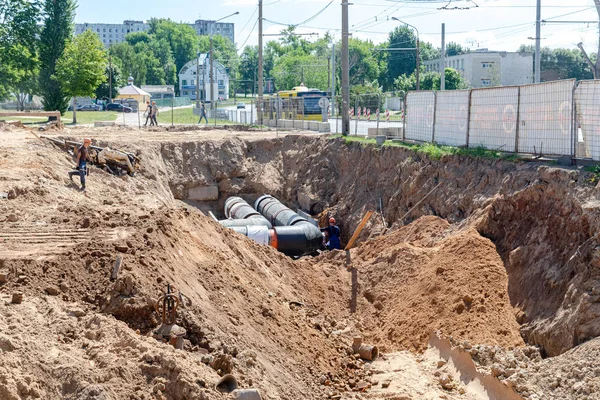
column 425, row 278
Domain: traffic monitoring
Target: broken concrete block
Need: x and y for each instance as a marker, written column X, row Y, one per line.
column 17, row 298
column 204, row 193
column 305, row 201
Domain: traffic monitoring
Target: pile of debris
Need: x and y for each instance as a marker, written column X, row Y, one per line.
column 113, row 161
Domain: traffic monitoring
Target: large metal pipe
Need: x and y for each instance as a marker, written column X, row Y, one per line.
column 294, row 235
column 241, row 213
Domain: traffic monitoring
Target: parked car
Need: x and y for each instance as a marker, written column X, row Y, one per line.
column 89, row 107
column 241, row 105
column 118, row 107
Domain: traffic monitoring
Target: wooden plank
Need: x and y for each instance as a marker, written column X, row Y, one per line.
column 358, row 230
column 117, row 267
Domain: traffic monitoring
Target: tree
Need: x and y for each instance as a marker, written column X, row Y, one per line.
column 118, row 80
column 57, row 31
column 402, row 61
column 18, row 58
column 432, row 81
column 363, row 65
column 182, row 39
column 454, row 49
column 81, row 68
column 292, row 69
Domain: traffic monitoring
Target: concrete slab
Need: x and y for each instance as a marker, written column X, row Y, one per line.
column 204, row 193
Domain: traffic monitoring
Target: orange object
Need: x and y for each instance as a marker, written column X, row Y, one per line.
column 273, row 236
column 332, row 220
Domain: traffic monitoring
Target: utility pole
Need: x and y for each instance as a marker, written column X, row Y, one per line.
column 333, row 79
column 260, row 62
column 443, row 71
column 198, row 80
column 538, row 33
column 345, row 71
column 418, row 72
column 110, row 78
column 212, row 71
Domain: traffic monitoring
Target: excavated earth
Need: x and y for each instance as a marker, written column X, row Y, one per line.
column 476, row 278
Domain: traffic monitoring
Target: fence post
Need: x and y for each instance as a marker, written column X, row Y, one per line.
column 434, row 116
column 356, row 112
column 404, row 110
column 517, row 128
column 469, row 118
column 379, row 104
column 574, row 128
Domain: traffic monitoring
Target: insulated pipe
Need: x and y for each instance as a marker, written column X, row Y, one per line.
column 242, row 214
column 294, row 235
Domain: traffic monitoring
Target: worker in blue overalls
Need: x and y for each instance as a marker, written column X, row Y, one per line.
column 333, row 235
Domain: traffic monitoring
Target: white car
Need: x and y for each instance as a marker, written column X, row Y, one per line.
column 241, row 106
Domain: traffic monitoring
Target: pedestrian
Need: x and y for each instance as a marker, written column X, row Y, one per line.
column 333, row 235
column 154, row 113
column 203, row 114
column 148, row 114
column 81, row 161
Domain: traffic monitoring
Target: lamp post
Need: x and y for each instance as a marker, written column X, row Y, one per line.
column 198, row 80
column 211, row 73
column 418, row 69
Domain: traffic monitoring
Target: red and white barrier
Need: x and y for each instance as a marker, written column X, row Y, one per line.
column 358, row 113
column 369, row 115
column 387, row 115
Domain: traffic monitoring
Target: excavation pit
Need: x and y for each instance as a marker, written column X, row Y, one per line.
column 498, row 255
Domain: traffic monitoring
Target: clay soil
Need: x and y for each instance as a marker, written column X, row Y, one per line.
column 453, row 269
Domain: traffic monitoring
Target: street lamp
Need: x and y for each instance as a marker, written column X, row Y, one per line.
column 211, row 74
column 418, row 41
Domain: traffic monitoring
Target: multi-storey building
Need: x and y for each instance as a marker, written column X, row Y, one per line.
column 115, row 33
column 483, row 68
column 199, row 70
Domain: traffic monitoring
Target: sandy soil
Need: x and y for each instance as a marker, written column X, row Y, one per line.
column 279, row 325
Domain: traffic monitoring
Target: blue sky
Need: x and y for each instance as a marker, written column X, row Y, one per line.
column 494, row 24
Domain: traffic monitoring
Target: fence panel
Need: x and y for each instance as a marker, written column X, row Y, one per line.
column 493, row 118
column 391, row 116
column 452, row 117
column 587, row 105
column 420, row 112
column 545, row 118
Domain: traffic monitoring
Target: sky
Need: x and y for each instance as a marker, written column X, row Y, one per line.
column 492, row 24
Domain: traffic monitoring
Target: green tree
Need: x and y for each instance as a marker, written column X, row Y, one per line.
column 18, row 58
column 56, row 33
column 81, row 68
column 431, row 81
column 363, row 65
column 292, row 69
column 400, row 62
column 118, row 80
column 182, row 39
column 454, row 49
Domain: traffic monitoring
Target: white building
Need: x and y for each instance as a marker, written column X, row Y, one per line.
column 115, row 33
column 188, row 79
column 484, row 68
column 204, row 27
column 112, row 33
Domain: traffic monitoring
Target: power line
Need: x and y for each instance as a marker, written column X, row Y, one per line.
column 251, row 32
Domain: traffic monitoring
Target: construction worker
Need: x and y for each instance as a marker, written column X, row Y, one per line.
column 333, row 235
column 81, row 161
column 148, row 114
column 154, row 113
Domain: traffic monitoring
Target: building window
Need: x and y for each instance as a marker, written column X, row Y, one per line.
column 193, row 82
column 194, row 92
column 98, row 30
column 104, row 30
column 487, row 64
column 220, row 82
column 486, row 82
column 104, row 35
column 185, row 93
column 184, row 82
column 462, row 64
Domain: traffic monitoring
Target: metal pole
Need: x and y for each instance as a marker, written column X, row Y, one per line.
column 173, row 106
column 418, row 64
column 443, row 71
column 198, row 80
column 333, row 80
column 109, row 78
column 345, row 71
column 260, row 62
column 211, row 74
column 538, row 28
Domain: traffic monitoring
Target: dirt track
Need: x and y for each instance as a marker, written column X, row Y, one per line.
column 280, row 325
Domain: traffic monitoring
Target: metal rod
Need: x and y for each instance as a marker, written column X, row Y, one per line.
column 260, row 63
column 345, row 71
column 443, row 68
column 538, row 61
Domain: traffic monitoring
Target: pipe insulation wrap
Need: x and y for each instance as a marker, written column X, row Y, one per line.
column 240, row 213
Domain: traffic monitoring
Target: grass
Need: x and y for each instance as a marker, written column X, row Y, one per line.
column 435, row 151
column 186, row 116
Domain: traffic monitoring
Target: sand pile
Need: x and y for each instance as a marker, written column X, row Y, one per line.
column 425, row 277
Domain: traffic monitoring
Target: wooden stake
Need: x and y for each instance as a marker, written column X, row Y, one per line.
column 358, row 230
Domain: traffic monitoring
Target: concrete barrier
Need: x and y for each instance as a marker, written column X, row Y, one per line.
column 104, row 123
